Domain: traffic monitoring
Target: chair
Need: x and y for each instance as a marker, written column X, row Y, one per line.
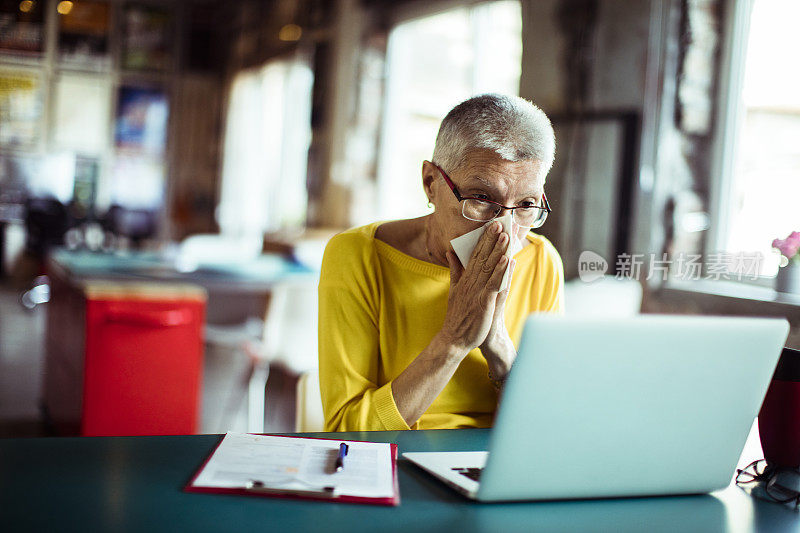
column 308, row 413
column 607, row 297
column 135, row 224
column 203, row 249
column 231, row 326
column 232, row 320
column 47, row 220
column 290, row 340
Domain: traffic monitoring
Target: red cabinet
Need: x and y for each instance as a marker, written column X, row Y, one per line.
column 124, row 358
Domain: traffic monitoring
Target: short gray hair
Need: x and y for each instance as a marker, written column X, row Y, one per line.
column 510, row 126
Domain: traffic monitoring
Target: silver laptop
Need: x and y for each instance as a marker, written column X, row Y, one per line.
column 596, row 408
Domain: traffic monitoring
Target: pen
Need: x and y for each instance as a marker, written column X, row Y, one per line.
column 340, row 460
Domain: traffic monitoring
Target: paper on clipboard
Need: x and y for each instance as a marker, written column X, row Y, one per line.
column 299, row 464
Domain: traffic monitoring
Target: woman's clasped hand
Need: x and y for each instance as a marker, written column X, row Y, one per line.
column 475, row 302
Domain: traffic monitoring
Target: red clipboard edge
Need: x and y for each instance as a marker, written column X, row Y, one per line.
column 393, row 501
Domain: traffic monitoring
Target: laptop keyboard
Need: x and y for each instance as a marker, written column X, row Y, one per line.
column 472, row 473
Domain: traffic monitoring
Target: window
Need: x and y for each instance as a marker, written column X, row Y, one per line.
column 267, row 135
column 762, row 199
column 434, row 63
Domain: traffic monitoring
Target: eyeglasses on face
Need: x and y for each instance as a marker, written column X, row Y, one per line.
column 483, row 210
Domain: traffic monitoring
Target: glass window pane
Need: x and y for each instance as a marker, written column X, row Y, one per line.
column 434, row 63
column 267, row 136
column 766, row 184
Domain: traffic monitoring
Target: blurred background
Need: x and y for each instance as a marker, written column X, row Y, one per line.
column 171, row 171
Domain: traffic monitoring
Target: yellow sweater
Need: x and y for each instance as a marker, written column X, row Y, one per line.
column 379, row 308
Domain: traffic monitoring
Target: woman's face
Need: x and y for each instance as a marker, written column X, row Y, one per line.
column 485, row 175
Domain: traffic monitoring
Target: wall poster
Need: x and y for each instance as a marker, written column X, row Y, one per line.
column 83, row 35
column 146, row 40
column 22, row 26
column 21, row 106
column 141, row 122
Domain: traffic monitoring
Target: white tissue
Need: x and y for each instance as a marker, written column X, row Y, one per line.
column 465, row 244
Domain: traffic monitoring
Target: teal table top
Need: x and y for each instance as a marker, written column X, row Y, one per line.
column 255, row 274
column 135, row 484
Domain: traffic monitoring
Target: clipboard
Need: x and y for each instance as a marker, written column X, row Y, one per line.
column 316, row 494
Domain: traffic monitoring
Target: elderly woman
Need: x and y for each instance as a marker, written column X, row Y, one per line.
column 409, row 338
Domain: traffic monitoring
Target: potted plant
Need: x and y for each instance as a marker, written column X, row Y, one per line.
column 788, row 278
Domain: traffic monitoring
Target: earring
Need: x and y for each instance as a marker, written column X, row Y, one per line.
column 430, row 204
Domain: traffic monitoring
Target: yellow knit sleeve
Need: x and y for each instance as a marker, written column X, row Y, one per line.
column 551, row 271
column 352, row 398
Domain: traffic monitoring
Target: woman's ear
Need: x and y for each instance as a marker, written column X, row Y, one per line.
column 429, row 174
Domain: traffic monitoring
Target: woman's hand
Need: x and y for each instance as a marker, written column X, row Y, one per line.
column 473, row 298
column 472, row 312
column 497, row 348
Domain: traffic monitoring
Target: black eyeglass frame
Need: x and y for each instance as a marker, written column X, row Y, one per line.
column 546, row 207
column 760, row 471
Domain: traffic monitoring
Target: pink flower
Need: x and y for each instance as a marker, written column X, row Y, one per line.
column 788, row 246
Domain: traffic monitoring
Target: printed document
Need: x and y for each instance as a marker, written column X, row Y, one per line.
column 294, row 463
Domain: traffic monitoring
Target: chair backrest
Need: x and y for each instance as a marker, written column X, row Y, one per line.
column 290, row 330
column 200, row 249
column 308, row 414
column 606, row 297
